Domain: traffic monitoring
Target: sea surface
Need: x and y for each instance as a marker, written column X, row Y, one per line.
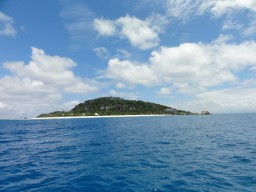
column 169, row 153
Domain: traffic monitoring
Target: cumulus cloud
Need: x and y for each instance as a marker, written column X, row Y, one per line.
column 196, row 66
column 191, row 63
column 138, row 32
column 142, row 34
column 6, row 25
column 130, row 73
column 40, row 83
column 49, row 70
column 25, row 97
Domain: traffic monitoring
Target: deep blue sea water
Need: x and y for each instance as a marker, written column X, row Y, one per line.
column 173, row 153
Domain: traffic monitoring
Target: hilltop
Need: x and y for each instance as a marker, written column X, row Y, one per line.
column 116, row 106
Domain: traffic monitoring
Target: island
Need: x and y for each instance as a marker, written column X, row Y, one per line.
column 112, row 106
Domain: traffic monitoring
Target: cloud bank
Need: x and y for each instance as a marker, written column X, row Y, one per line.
column 193, row 63
column 191, row 69
column 38, row 85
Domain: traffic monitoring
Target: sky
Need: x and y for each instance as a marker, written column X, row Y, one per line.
column 188, row 54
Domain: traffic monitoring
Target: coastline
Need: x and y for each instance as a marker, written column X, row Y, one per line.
column 92, row 117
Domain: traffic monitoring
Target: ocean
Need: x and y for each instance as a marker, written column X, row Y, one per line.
column 168, row 153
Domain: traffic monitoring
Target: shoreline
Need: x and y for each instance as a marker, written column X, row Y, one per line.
column 92, row 117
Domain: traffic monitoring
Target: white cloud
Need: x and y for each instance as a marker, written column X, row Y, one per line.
column 231, row 9
column 235, row 57
column 184, row 9
column 194, row 69
column 236, row 14
column 138, row 32
column 131, row 73
column 6, row 25
column 40, row 83
column 51, row 70
column 142, row 34
column 25, row 97
column 105, row 27
column 189, row 67
column 220, row 7
column 190, row 63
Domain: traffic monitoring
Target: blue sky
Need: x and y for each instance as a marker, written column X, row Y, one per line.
column 192, row 55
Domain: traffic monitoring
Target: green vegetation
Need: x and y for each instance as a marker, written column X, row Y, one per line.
column 116, row 106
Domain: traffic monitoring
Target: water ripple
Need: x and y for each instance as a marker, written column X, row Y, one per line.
column 177, row 153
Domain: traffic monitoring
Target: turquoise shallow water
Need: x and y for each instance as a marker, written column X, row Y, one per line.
column 174, row 153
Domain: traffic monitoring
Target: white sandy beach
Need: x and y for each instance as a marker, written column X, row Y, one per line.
column 90, row 117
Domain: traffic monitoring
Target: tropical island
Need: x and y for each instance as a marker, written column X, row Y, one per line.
column 111, row 106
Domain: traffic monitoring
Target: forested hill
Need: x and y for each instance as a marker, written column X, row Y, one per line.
column 116, row 106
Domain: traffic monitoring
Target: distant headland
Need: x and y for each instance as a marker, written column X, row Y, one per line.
column 114, row 106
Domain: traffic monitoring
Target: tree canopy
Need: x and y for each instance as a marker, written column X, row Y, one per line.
column 116, row 106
